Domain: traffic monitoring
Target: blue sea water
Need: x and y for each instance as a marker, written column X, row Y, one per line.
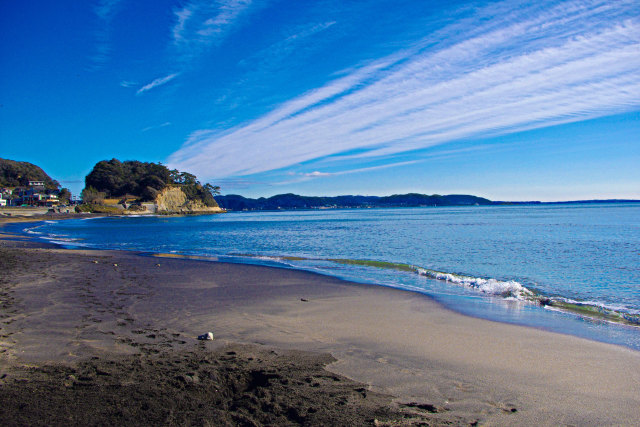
column 488, row 258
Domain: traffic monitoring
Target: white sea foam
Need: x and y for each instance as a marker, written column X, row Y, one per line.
column 32, row 230
column 505, row 289
column 62, row 239
column 275, row 259
column 75, row 243
column 509, row 288
column 268, row 258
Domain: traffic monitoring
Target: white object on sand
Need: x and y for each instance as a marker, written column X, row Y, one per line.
column 207, row 336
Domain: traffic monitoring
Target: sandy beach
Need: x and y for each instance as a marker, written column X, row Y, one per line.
column 105, row 337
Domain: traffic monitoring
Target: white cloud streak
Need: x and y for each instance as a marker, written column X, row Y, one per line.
column 306, row 176
column 199, row 25
column 527, row 68
column 283, row 48
column 202, row 24
column 315, row 174
column 148, row 128
column 157, row 82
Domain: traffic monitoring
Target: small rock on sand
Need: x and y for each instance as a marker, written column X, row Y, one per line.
column 208, row 336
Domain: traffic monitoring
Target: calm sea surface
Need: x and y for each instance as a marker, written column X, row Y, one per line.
column 488, row 256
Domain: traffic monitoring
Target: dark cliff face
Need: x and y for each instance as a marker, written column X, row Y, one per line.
column 236, row 202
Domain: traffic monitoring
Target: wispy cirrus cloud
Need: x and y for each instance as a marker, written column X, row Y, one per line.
column 238, row 184
column 316, row 174
column 529, row 66
column 162, row 125
column 306, row 176
column 438, row 154
column 275, row 53
column 199, row 25
column 202, row 24
column 157, row 82
column 280, row 57
column 105, row 11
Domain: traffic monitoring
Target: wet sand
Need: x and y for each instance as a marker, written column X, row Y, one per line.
column 118, row 332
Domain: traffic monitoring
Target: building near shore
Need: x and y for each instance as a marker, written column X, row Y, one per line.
column 36, row 184
column 32, row 196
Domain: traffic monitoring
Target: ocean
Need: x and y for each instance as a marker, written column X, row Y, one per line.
column 567, row 268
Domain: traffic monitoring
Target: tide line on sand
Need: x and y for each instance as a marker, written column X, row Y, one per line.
column 508, row 289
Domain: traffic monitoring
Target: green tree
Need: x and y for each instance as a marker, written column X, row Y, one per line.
column 214, row 190
column 92, row 196
column 174, row 176
column 188, row 179
column 64, row 195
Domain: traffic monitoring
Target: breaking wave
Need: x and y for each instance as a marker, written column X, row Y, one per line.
column 506, row 289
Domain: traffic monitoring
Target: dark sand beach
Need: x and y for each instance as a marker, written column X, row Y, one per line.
column 110, row 338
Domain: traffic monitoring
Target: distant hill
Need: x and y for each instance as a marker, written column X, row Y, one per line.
column 18, row 174
column 234, row 202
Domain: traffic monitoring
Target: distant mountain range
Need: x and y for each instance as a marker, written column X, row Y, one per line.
column 235, row 202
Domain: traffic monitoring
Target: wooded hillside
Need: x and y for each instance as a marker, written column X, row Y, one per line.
column 143, row 181
column 18, row 174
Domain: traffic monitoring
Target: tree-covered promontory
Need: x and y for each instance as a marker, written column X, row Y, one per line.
column 144, row 181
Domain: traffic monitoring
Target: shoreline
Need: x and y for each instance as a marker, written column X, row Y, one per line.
column 76, row 304
column 577, row 310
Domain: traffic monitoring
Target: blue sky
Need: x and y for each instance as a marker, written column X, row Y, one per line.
column 509, row 100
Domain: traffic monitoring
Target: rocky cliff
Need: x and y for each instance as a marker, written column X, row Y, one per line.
column 172, row 200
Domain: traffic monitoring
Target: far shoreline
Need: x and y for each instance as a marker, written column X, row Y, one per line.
column 22, row 214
